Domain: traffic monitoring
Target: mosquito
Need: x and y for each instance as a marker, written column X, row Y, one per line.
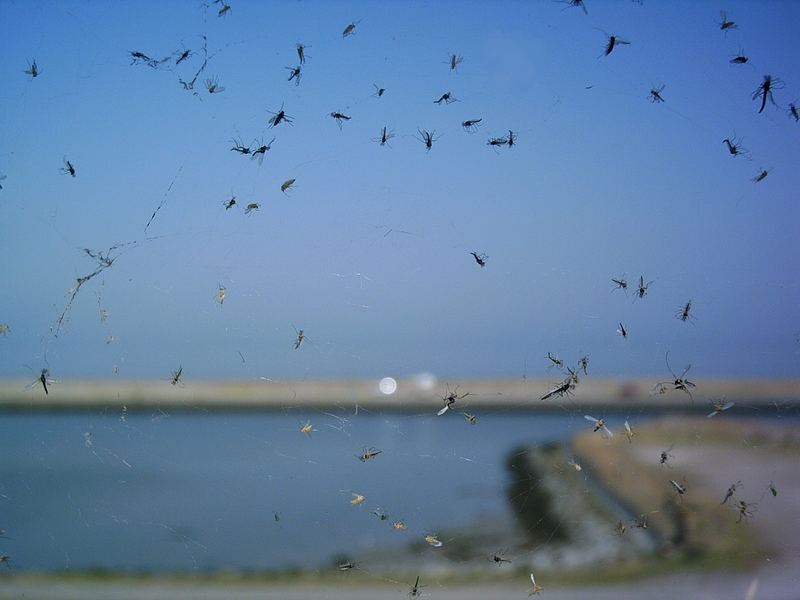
column 213, row 86
column 640, row 522
column 229, row 204
column 278, row 117
column 220, row 297
column 735, row 147
column 746, row 510
column 583, row 364
column 141, row 57
column 399, row 526
column 379, row 91
column 301, row 336
column 447, row 98
column 761, row 176
column 629, row 432
column 428, row 137
column 740, row 58
column 44, row 380
column 68, row 168
column 450, row 398
column 679, row 489
column 176, row 376
column 276, row 517
column 731, row 491
column 622, row 331
column 33, row 69
column 294, row 74
column 346, row 566
column 536, row 589
column 499, row 559
column 307, row 428
column 340, row 118
column 765, row 91
column 350, row 29
column 612, row 42
column 575, row 4
column 368, row 453
column 679, row 383
column 512, row 138
column 480, row 258
column 287, row 185
column 471, row 125
column 718, row 406
column 301, row 52
column 251, row 207
column 224, row 10
column 641, row 292
column 183, row 56
column 655, row 94
column 683, row 313
column 620, row 283
column 497, row 141
column 454, row 60
column 471, row 419
column 563, row 389
column 262, row 150
column 433, row 541
column 793, row 112
column 384, row 137
column 557, row 362
column 357, row 499
column 666, row 456
column 724, row 24
column 599, row 425
column 414, row 591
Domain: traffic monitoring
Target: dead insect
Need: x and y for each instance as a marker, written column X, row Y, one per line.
column 447, row 98
column 471, row 125
column 262, row 150
column 182, row 57
column 224, row 10
column 381, row 515
column 33, row 69
column 665, row 457
column 740, row 58
column 433, row 541
column 499, row 559
column 719, row 406
column 450, row 398
column 557, row 362
column 612, row 42
column 379, row 91
column 455, row 60
column 471, row 419
column 299, row 340
column 480, row 258
column 772, row 489
column 679, row 489
column 536, row 589
column 350, row 29
column 357, row 499
column 276, row 517
column 278, row 117
column 44, row 379
column 141, row 57
column 384, row 137
column 622, row 331
column 765, row 91
column 176, row 376
column 563, row 389
column 641, row 292
column 497, row 141
column 228, row 204
column 251, row 207
column 576, row 4
column 629, row 432
column 641, row 521
column 793, row 112
column 294, row 74
column 220, row 297
column 731, row 491
column 238, row 146
column 679, row 383
column 368, row 453
column 583, row 363
column 655, row 94
column 735, row 147
column 399, row 526
column 346, row 566
column 301, row 52
column 428, row 137
column 621, row 284
column 683, row 313
column 307, row 428
column 746, row 510
column 286, row 185
column 575, row 465
column 724, row 23
column 600, row 425
column 340, row 118
column 620, row 529
column 761, row 176
column 213, row 86
column 414, row 591
column 68, row 168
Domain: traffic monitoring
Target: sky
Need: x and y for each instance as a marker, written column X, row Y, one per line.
column 368, row 253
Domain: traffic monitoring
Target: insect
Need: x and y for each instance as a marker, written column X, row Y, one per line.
column 471, row 125
column 238, row 146
column 307, row 428
column 471, row 419
column 563, row 389
column 262, row 150
column 719, row 406
column 213, row 86
column 176, row 376
column 665, row 457
column 301, row 52
column 414, row 591
column 557, row 362
column 735, row 147
column 399, row 525
column 141, row 56
column 350, row 29
column 368, row 453
column 447, row 98
column 772, row 489
column 765, row 91
column 575, row 465
column 221, row 291
column 44, row 379
column 251, row 207
column 450, row 398
column 301, row 336
column 512, row 138
column 655, row 94
column 276, row 517
column 286, row 185
column 536, row 589
column 629, row 432
column 428, row 137
column 620, row 529
column 4, row 329
column 454, row 60
column 357, row 499
column 761, row 176
column 679, row 489
column 740, row 58
column 641, row 292
column 6, row 560
column 746, row 510
column 340, row 118
column 683, row 312
column 346, row 566
column 294, row 74
column 182, row 57
column 384, row 137
column 379, row 91
column 497, row 141
column 499, row 559
column 620, row 284
column 583, row 363
column 480, row 258
column 381, row 515
column 793, row 112
column 229, row 204
column 576, row 4
column 33, row 69
column 433, row 541
column 600, row 425
column 724, row 23
column 612, row 42
column 68, row 168
column 731, row 491
column 278, row 117
column 224, row 10
column 641, row 521
column 622, row 331
column 679, row 383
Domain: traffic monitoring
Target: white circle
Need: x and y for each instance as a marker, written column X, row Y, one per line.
column 387, row 386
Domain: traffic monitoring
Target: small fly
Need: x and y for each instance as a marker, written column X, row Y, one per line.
column 384, row 137
column 350, row 29
column 480, row 258
column 471, row 125
column 428, row 137
column 620, row 283
column 68, row 168
column 230, row 203
column 600, row 425
column 5, row 559
column 740, row 58
column 278, row 117
column 641, row 292
column 563, row 389
column 433, row 541
column 724, row 23
column 213, row 86
column 287, row 185
column 251, row 207
column 33, row 69
column 380, row 514
column 612, row 42
column 340, row 118
column 368, row 453
column 44, row 379
column 346, row 566
column 760, row 177
column 307, row 428
column 536, row 589
column 729, row 493
column 379, row 91
column 718, row 406
column 575, row 465
column 499, row 559
column 262, row 150
column 301, row 52
column 765, row 91
column 622, row 331
column 683, row 313
column 176, row 376
column 665, row 457
column 735, row 147
column 447, row 98
column 655, row 94
column 454, row 60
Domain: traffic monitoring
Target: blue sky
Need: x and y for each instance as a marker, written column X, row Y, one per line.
column 601, row 183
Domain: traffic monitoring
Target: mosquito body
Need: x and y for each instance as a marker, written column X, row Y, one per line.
column 382, row 516
column 718, row 406
column 137, row 57
column 368, row 453
column 612, row 42
column 287, row 185
column 620, row 284
column 772, row 489
column 399, row 526
column 33, row 69
column 340, row 118
column 379, row 91
column 599, row 425
column 350, row 29
column 385, row 136
column 622, row 331
column 414, row 591
column 746, row 510
column 428, row 137
column 497, row 141
column 251, row 207
column 213, row 86
column 238, row 146
column 724, row 23
column 758, row 178
column 655, row 95
column 499, row 559
column 450, row 398
column 729, row 493
column 301, row 52
column 68, row 168
column 299, row 340
column 740, row 58
column 229, row 204
column 44, row 379
column 183, row 56
column 346, row 566
column 176, row 376
column 583, row 364
column 279, row 117
column 641, row 291
column 261, row 151
column 735, row 147
column 764, row 91
column 221, row 292
column 454, row 60
column 357, row 499
column 679, row 383
column 480, row 258
column 294, row 73
column 793, row 112
column 447, row 98
column 471, row 125
column 557, row 362
column 679, row 489
column 684, row 312
column 536, row 589
column 563, row 389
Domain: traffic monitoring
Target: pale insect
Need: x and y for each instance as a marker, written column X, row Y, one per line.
column 287, row 185
column 433, row 541
column 719, row 406
column 220, row 297
column 679, row 489
column 600, row 425
column 536, row 589
column 575, row 465
column 307, row 428
column 346, row 566
column 87, row 439
column 629, row 432
column 399, row 525
column 5, row 559
column 746, row 510
column 368, row 453
column 471, row 419
column 357, row 499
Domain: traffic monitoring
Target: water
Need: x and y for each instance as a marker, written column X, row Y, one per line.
column 198, row 491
